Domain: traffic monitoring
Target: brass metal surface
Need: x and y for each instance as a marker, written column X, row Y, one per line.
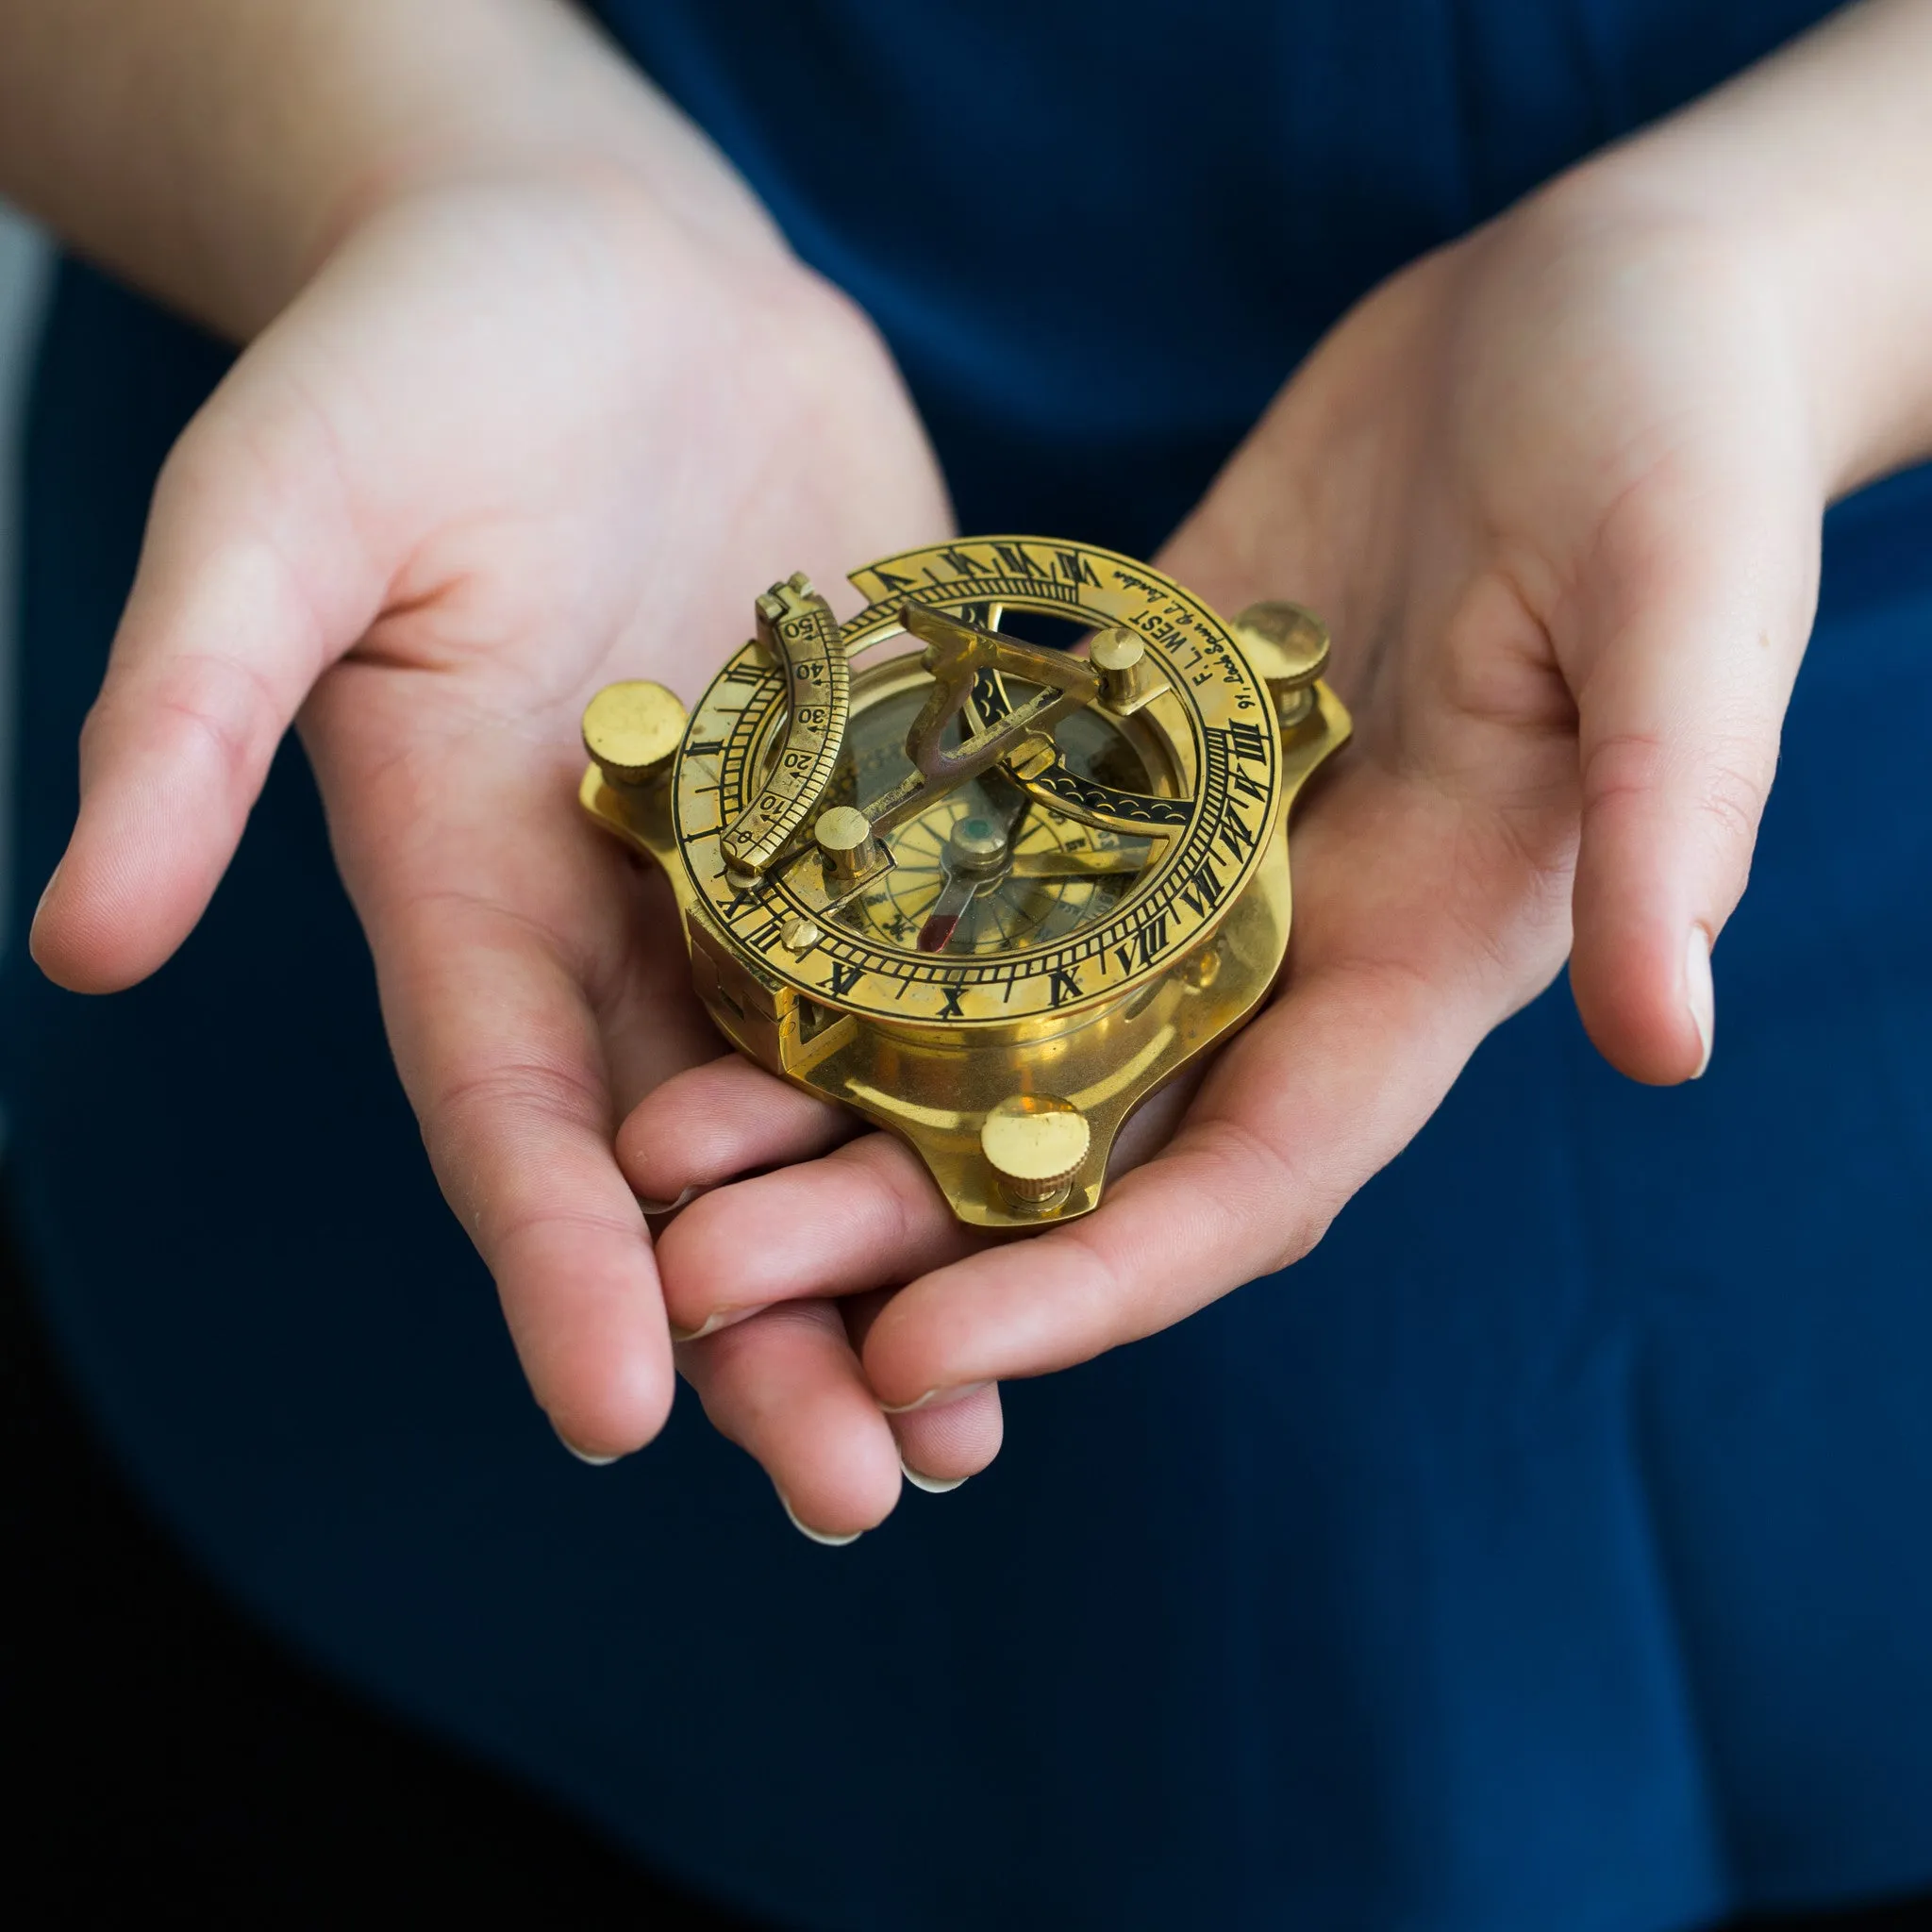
column 987, row 892
column 1289, row 645
column 633, row 730
column 797, row 632
column 1035, row 1143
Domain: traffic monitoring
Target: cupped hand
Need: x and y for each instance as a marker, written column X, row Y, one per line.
column 1556, row 489
column 519, row 437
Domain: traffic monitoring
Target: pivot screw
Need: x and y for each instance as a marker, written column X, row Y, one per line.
column 1117, row 655
column 1035, row 1145
column 845, row 837
column 977, row 845
column 632, row 730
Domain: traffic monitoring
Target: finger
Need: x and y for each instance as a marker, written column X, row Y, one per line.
column 786, row 1387
column 866, row 1216
column 1683, row 656
column 721, row 1119
column 249, row 585
column 502, row 1057
column 944, row 1443
column 1245, row 1188
column 1390, row 993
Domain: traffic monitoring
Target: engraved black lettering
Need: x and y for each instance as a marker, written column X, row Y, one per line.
column 1245, row 741
column 1074, row 568
column 892, row 582
column 1203, row 891
column 1236, row 834
column 1017, row 561
column 1066, row 985
column 1247, row 787
column 1151, row 937
column 844, row 978
column 708, row 748
column 962, row 565
column 952, row 1010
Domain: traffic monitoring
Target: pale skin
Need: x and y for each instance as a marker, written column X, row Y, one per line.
column 535, row 398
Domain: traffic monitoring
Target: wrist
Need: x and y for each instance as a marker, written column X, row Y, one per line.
column 578, row 118
column 1816, row 168
column 215, row 152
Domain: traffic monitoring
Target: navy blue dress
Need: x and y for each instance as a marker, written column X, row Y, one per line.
column 1549, row 1550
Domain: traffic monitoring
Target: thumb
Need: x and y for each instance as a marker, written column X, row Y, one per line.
column 248, row 588
column 1689, row 651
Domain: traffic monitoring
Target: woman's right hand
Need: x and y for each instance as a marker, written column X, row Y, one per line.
column 523, row 434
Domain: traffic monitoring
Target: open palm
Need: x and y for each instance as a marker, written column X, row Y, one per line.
column 516, row 440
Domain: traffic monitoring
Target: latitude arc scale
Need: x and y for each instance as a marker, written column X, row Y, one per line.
column 987, row 892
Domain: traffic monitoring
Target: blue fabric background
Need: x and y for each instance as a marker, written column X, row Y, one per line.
column 1548, row 1550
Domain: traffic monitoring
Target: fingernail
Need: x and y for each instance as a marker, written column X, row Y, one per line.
column 650, row 1206
column 584, row 1455
column 717, row 1318
column 1701, row 994
column 932, row 1485
column 935, row 1398
column 817, row 1535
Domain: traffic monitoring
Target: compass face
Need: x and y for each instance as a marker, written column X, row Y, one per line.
column 1028, row 891
column 984, row 870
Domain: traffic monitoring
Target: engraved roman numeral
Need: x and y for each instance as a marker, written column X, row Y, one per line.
column 844, row 978
column 1151, row 937
column 961, row 565
column 1247, row 785
column 952, row 1010
column 1245, row 740
column 1074, row 568
column 709, row 749
column 1235, row 834
column 1066, row 985
column 1203, row 891
column 1017, row 561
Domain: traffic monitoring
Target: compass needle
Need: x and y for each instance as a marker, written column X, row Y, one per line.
column 947, row 912
column 1062, row 864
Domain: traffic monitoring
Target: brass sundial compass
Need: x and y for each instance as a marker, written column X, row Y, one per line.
column 987, row 893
